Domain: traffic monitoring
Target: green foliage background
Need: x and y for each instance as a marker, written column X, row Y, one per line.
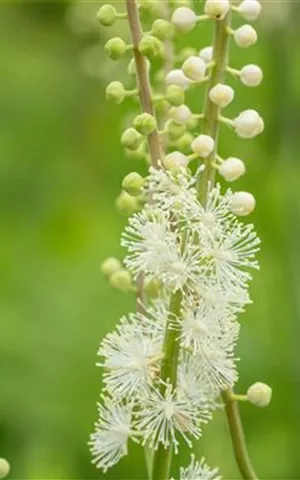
column 61, row 166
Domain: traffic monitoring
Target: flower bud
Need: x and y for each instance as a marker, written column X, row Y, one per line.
column 245, row 36
column 150, row 46
column 175, row 130
column 180, row 114
column 194, row 68
column 175, row 160
column 131, row 139
column 126, row 204
column 249, row 9
column 217, row 9
column 232, row 168
column 131, row 67
column 203, row 145
column 242, row 203
column 206, row 54
column 145, row 123
column 115, row 92
column 259, row 394
column 185, row 53
column 175, row 95
column 152, row 288
column 110, row 266
column 107, row 15
column 248, row 124
column 221, row 95
column 133, row 183
column 4, row 468
column 184, row 142
column 162, row 29
column 184, row 19
column 177, row 77
column 251, row 75
column 115, row 47
column 121, row 280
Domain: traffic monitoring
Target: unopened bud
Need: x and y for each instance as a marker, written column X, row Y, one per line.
column 217, row 9
column 186, row 53
column 259, row 394
column 194, row 68
column 162, row 29
column 133, row 183
column 248, row 124
column 221, row 95
column 251, row 75
column 115, row 47
column 184, row 142
column 131, row 139
column 245, row 36
column 249, row 9
column 132, row 68
column 177, row 77
column 242, row 203
column 206, row 54
column 184, row 19
column 175, row 95
column 203, row 145
column 150, row 46
column 4, row 468
column 115, row 92
column 145, row 123
column 180, row 114
column 126, row 204
column 175, row 160
column 121, row 280
column 152, row 288
column 110, row 266
column 107, row 15
column 175, row 130
column 232, row 168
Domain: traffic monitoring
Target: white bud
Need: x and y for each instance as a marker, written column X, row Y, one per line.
column 184, row 19
column 175, row 160
column 4, row 468
column 180, row 114
column 259, row 394
column 242, row 203
column 206, row 54
column 221, row 95
column 249, row 9
column 217, row 8
column 203, row 145
column 177, row 77
column 232, row 168
column 245, row 36
column 248, row 124
column 251, row 75
column 194, row 68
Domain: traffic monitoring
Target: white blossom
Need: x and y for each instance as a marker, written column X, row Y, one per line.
column 199, row 471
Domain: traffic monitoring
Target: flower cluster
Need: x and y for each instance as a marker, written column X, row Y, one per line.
column 186, row 248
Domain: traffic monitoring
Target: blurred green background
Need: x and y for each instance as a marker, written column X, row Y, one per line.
column 61, row 166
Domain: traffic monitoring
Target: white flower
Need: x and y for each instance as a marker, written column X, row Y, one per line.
column 194, row 68
column 199, row 471
column 232, row 168
column 248, row 124
column 221, row 95
column 206, row 53
column 245, row 36
column 163, row 416
column 203, row 145
column 174, row 160
column 249, row 9
column 184, row 19
column 217, row 8
column 177, row 77
column 131, row 356
column 251, row 75
column 108, row 444
column 181, row 114
column 242, row 203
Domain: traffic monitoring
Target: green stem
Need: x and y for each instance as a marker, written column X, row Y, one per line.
column 163, row 456
column 211, row 126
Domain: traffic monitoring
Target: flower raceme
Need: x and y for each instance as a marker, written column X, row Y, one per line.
column 183, row 247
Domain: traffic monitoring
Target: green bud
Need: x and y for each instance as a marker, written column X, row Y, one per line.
column 175, row 130
column 121, row 280
column 107, row 15
column 185, row 53
column 184, row 142
column 115, row 92
column 162, row 29
column 175, row 95
column 115, row 47
column 145, row 123
column 133, row 183
column 150, row 46
column 126, row 204
column 192, row 123
column 110, row 266
column 131, row 67
column 131, row 139
column 138, row 154
column 152, row 288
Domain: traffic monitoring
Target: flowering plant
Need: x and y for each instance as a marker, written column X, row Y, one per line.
column 188, row 254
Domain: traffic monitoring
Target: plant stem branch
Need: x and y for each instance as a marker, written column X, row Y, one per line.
column 211, row 127
column 144, row 86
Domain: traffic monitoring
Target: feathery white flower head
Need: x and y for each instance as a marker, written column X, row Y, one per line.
column 199, row 471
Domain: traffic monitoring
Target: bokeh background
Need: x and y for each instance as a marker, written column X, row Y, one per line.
column 61, row 166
